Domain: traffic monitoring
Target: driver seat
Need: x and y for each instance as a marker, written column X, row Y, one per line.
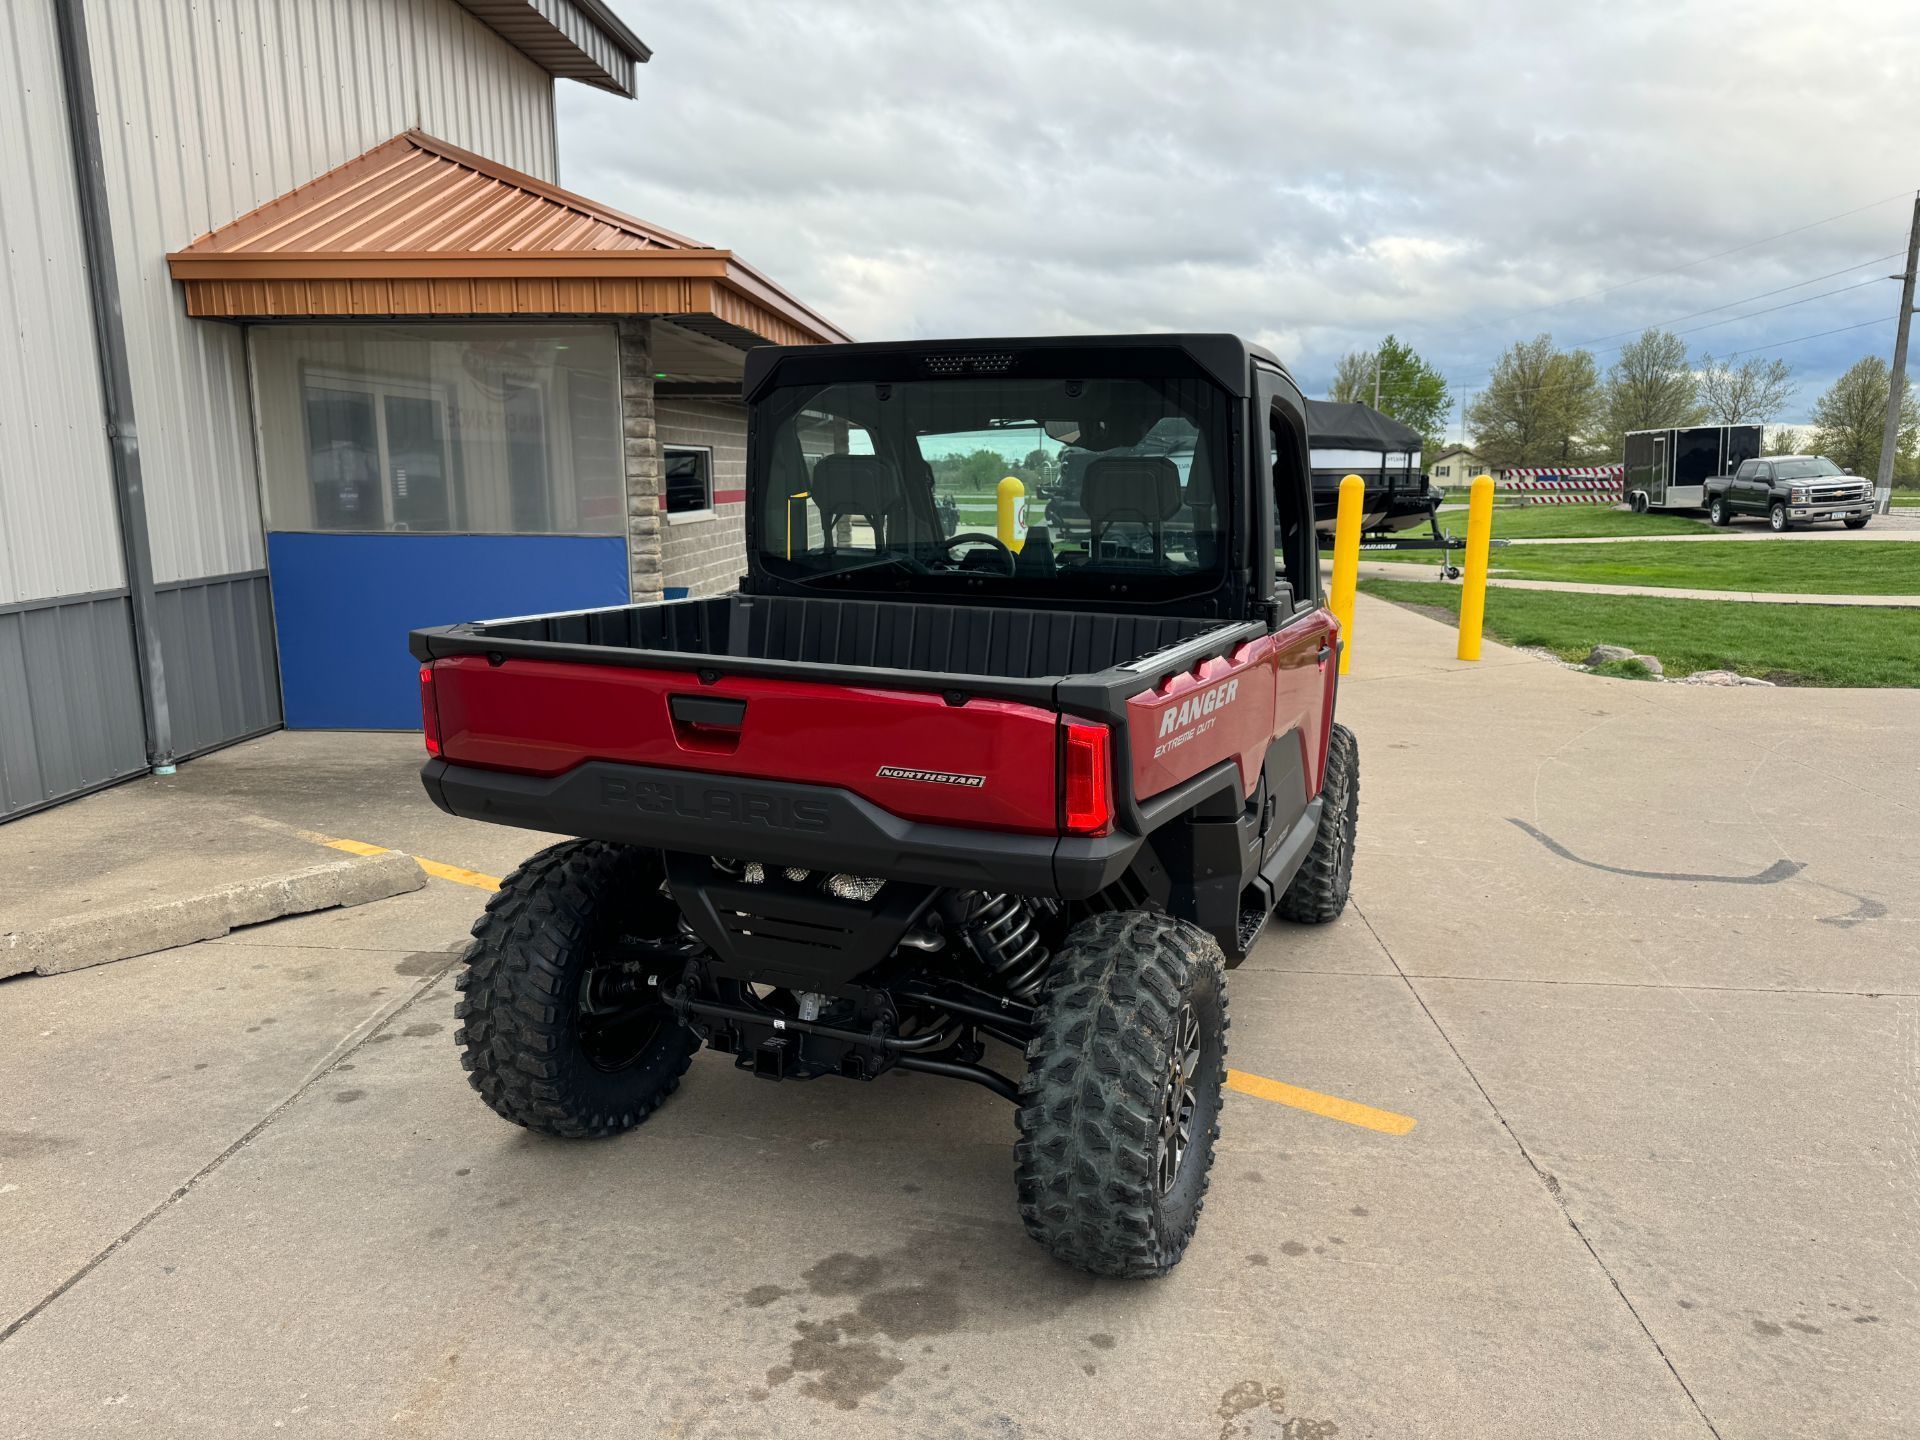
column 866, row 486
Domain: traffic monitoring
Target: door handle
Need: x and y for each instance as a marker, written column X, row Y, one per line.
column 1325, row 654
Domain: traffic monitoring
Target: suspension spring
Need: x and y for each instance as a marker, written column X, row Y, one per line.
column 1001, row 932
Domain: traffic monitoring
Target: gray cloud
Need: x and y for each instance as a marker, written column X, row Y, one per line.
column 1310, row 176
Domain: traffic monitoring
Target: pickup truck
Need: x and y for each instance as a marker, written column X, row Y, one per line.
column 910, row 793
column 1790, row 490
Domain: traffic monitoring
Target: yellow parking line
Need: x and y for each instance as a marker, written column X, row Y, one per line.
column 458, row 875
column 438, row 868
column 1352, row 1112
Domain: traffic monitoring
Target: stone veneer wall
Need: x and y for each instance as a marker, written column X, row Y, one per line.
column 707, row 552
column 641, row 456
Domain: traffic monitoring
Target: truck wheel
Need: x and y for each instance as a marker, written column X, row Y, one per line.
column 536, row 1046
column 1717, row 511
column 1777, row 517
column 1859, row 522
column 1318, row 891
column 1121, row 1105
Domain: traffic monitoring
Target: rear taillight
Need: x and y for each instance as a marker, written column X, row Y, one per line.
column 1086, row 805
column 429, row 711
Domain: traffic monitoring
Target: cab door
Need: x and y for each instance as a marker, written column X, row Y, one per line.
column 1756, row 485
column 1304, row 651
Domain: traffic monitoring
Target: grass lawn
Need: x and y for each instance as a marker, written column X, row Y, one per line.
column 1790, row 644
column 1520, row 522
column 1907, row 499
column 1863, row 567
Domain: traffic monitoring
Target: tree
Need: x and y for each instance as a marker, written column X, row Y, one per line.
column 1538, row 408
column 1849, row 417
column 1786, row 441
column 1650, row 387
column 1746, row 394
column 1411, row 390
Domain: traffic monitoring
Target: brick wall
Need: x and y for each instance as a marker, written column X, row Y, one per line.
column 707, row 552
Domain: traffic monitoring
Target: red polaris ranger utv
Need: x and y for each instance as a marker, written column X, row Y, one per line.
column 912, row 793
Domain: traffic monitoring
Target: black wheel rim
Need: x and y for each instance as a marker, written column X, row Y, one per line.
column 1179, row 1100
column 615, row 1040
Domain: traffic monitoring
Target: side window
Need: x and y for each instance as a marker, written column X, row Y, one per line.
column 1762, row 471
column 1746, row 471
column 1296, row 558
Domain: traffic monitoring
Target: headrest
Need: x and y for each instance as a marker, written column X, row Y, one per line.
column 1141, row 489
column 854, row 485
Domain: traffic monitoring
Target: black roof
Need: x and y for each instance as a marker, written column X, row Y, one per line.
column 1332, row 425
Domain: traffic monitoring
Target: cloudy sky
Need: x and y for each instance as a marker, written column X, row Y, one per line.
column 1461, row 174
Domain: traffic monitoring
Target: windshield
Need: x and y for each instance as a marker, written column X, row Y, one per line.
column 1115, row 487
column 1804, row 469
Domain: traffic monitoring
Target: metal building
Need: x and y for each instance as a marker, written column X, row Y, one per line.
column 306, row 346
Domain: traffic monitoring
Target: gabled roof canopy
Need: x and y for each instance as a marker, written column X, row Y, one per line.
column 420, row 228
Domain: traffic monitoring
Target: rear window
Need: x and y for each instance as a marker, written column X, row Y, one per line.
column 1119, row 486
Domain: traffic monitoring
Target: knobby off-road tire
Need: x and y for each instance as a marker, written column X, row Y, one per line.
column 1318, row 890
column 1133, row 1028
column 528, row 1048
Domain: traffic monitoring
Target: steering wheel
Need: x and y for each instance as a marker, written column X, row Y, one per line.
column 1006, row 555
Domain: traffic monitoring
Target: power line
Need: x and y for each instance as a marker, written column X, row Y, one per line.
column 1715, row 309
column 1753, row 314
column 1675, row 270
column 1819, row 334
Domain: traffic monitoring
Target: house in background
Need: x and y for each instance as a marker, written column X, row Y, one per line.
column 311, row 348
column 1455, row 466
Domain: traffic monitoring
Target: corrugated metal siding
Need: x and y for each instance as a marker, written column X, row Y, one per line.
column 69, row 702
column 222, row 678
column 59, row 534
column 209, row 110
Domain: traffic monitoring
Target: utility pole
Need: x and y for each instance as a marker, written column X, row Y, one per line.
column 1897, row 388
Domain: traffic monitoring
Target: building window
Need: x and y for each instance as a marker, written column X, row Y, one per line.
column 689, row 478
column 456, row 428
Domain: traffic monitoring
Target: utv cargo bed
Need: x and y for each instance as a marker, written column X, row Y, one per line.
column 907, row 644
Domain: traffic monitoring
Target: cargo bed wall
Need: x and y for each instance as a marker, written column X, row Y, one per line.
column 888, row 635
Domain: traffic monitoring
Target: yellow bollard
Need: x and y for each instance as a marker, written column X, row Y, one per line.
column 1346, row 561
column 1473, row 587
column 1010, row 520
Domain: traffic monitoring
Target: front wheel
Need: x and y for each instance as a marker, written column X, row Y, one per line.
column 1318, row 890
column 1777, row 518
column 1858, row 522
column 556, row 1038
column 1121, row 1104
column 1717, row 511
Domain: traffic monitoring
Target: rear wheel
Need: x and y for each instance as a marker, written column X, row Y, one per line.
column 1777, row 517
column 1318, row 890
column 549, row 1040
column 1121, row 1105
column 1717, row 511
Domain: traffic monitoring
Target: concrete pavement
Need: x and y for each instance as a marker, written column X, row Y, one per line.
column 1641, row 961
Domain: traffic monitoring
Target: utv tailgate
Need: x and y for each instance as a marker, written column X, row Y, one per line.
column 986, row 764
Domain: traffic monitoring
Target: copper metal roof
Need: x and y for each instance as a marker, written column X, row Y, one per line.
column 418, row 227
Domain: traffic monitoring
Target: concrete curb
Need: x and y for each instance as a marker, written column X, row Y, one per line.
column 77, row 942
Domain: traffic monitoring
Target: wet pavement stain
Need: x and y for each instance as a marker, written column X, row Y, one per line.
column 1766, row 1329
column 1258, row 1259
column 347, row 1097
column 1293, row 1247
column 423, row 962
column 424, row 1028
column 1269, row 1402
column 761, row 1296
column 1100, row 1340
column 837, row 1370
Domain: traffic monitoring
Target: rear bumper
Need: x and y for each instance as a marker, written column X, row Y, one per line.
column 815, row 827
